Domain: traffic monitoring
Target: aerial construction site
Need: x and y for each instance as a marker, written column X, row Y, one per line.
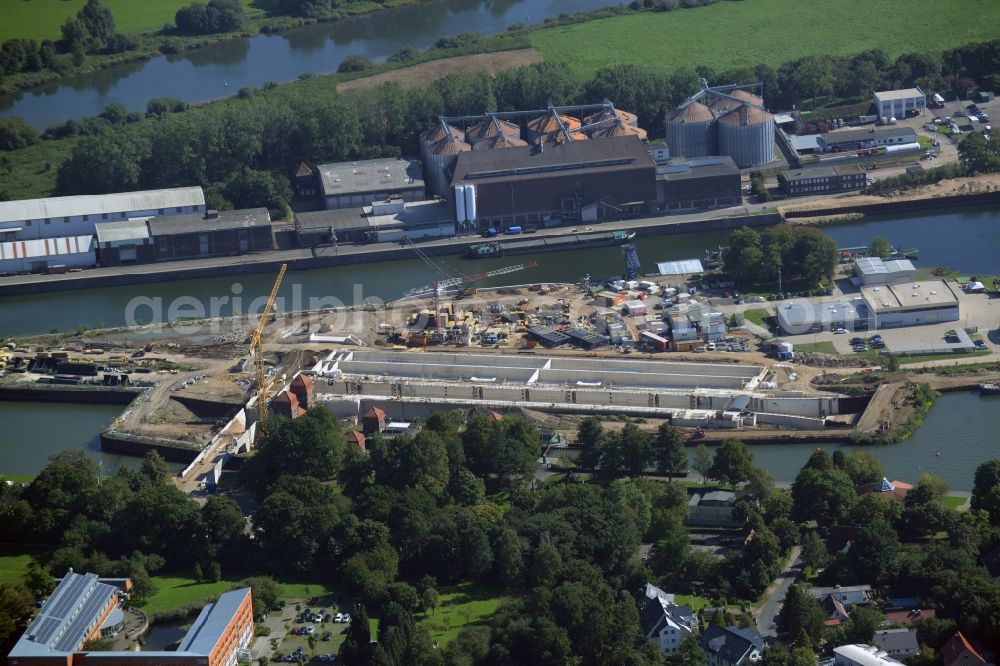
column 651, row 349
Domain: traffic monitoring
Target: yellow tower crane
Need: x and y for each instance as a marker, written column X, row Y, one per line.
column 257, row 352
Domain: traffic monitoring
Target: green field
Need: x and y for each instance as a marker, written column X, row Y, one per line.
column 740, row 34
column 460, row 606
column 173, row 592
column 42, row 19
column 825, row 347
column 14, row 563
column 953, row 503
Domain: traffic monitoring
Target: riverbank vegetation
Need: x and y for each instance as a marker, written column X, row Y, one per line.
column 921, row 400
column 791, row 253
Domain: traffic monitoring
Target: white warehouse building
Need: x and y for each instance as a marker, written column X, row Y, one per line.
column 911, row 304
column 895, row 103
column 45, row 253
column 873, row 271
column 60, row 217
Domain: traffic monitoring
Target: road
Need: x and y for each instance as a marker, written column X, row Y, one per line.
column 774, row 596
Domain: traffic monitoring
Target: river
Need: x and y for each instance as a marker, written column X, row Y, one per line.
column 965, row 239
column 34, row 431
column 222, row 69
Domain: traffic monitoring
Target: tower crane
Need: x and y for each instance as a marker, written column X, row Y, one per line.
column 257, row 352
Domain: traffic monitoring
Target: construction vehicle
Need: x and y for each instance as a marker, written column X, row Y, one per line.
column 257, row 353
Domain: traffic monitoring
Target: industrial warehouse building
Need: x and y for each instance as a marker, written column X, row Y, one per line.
column 698, row 184
column 46, row 254
column 591, row 180
column 818, row 180
column 354, row 184
column 722, row 120
column 873, row 271
column 82, row 608
column 62, row 217
column 866, row 137
column 896, row 103
column 228, row 232
column 911, row 304
column 383, row 221
column 801, row 317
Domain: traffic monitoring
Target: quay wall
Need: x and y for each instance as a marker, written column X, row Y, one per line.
column 322, row 257
column 899, row 206
column 136, row 445
column 105, row 395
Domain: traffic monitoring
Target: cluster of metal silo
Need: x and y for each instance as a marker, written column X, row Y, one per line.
column 465, row 203
column 747, row 135
column 499, row 142
column 492, row 128
column 691, row 131
column 733, row 122
column 437, row 156
column 545, row 129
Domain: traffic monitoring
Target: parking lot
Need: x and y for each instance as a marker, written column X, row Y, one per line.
column 304, row 631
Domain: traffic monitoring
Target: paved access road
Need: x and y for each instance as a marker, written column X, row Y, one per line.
column 774, row 596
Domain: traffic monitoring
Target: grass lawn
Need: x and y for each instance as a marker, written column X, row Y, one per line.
column 174, row 592
column 43, row 19
column 774, row 31
column 696, row 603
column 825, row 347
column 460, row 606
column 14, row 563
column 925, row 142
column 952, row 503
column 923, row 358
column 758, row 316
column 31, row 172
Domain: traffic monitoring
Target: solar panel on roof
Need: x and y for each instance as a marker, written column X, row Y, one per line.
column 66, row 599
column 45, row 630
column 78, row 629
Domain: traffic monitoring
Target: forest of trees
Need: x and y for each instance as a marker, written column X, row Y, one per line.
column 802, row 254
column 454, row 504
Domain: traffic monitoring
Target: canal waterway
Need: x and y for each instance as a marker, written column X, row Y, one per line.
column 965, row 239
column 31, row 432
column 222, row 69
column 961, row 427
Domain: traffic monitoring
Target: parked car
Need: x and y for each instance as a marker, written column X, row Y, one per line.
column 347, row 618
column 980, row 344
column 857, row 341
column 309, row 631
column 327, row 635
column 840, row 330
column 339, row 618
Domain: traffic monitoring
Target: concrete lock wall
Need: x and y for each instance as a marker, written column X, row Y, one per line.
column 655, row 367
column 790, row 420
column 813, row 406
column 634, row 379
column 436, row 371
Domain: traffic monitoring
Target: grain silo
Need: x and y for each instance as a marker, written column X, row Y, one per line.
column 499, row 142
column 618, row 129
column 544, row 128
column 747, row 135
column 490, row 127
column 438, row 156
column 691, row 131
column 559, row 138
column 605, row 115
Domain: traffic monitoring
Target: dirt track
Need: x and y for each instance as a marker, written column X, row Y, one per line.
column 427, row 72
column 951, row 187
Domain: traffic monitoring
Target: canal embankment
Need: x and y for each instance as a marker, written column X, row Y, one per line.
column 545, row 240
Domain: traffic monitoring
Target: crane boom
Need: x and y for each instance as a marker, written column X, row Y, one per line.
column 257, row 351
column 462, row 279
